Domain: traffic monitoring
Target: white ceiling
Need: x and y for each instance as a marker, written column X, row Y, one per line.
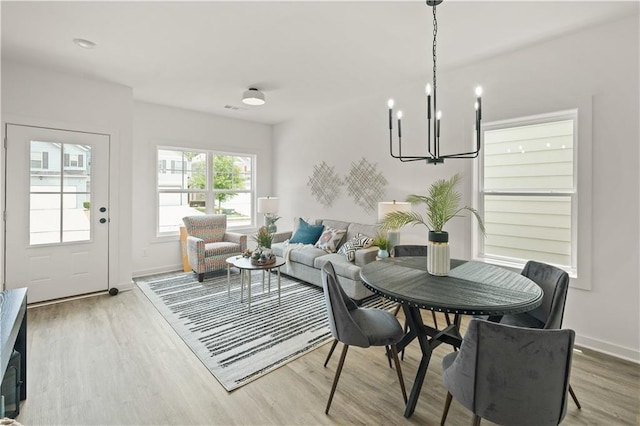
column 303, row 55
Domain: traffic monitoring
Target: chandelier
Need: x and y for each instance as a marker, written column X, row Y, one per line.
column 433, row 128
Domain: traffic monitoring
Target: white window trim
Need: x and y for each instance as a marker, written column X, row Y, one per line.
column 581, row 206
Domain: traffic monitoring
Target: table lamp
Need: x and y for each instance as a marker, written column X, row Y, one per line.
column 386, row 207
column 269, row 207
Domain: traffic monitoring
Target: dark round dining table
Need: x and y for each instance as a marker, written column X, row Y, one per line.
column 470, row 288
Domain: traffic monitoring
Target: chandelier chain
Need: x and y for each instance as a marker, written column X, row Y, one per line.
column 435, row 32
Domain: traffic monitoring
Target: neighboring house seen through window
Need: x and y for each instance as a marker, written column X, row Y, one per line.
column 528, row 190
column 203, row 182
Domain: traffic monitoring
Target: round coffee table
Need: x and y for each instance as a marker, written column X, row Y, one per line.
column 245, row 266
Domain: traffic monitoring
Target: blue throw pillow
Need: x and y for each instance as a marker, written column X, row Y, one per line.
column 307, row 234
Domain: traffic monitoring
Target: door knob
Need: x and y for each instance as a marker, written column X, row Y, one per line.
column 103, row 220
column 103, row 209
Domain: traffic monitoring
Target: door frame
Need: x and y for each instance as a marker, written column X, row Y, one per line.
column 114, row 205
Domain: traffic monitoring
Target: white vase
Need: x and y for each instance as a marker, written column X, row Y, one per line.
column 438, row 256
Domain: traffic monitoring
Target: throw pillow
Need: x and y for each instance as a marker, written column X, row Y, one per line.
column 358, row 242
column 307, row 234
column 329, row 239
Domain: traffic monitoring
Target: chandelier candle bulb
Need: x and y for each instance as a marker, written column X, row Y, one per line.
column 390, row 103
column 399, row 124
column 479, row 102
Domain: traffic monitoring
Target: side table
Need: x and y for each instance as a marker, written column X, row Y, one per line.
column 245, row 266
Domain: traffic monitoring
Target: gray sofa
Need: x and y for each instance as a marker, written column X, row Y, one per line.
column 306, row 263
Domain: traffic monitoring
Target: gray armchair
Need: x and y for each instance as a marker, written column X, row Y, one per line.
column 510, row 375
column 357, row 326
column 209, row 244
column 555, row 285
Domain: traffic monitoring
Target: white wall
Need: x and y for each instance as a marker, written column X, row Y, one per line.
column 595, row 70
column 42, row 97
column 159, row 125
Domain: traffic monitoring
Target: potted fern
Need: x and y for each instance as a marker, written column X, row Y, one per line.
column 383, row 244
column 442, row 204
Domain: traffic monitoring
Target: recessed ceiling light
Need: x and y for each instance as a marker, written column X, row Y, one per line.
column 85, row 44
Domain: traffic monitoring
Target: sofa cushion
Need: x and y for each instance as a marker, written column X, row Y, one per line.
column 343, row 267
column 358, row 242
column 330, row 239
column 306, row 255
column 278, row 249
column 335, row 224
column 306, row 233
column 357, row 228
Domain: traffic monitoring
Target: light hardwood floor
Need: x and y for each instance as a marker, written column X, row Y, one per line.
column 115, row 361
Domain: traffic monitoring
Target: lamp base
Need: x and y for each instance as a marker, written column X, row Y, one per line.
column 393, row 238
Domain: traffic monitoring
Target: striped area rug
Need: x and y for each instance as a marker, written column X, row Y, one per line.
column 237, row 346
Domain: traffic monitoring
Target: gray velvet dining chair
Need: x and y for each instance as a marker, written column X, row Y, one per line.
column 510, row 375
column 356, row 326
column 555, row 285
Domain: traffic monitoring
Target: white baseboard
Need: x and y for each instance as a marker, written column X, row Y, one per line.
column 159, row 270
column 609, row 348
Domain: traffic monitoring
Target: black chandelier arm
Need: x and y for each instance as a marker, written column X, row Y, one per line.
column 403, row 158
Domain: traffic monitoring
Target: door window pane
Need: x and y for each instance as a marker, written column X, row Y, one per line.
column 60, row 192
column 76, row 225
column 44, row 219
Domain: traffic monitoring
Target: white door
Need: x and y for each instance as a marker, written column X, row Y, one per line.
column 57, row 212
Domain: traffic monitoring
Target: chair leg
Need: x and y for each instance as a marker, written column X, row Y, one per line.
column 337, row 377
column 333, row 346
column 435, row 321
column 394, row 352
column 447, row 404
column 386, row 348
column 200, row 277
column 476, row 420
column 406, row 329
column 575, row 398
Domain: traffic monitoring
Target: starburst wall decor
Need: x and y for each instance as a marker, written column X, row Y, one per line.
column 365, row 184
column 325, row 184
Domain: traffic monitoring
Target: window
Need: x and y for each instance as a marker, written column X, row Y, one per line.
column 39, row 160
column 528, row 190
column 73, row 160
column 203, row 182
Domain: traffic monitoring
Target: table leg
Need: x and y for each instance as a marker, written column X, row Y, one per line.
column 278, row 286
column 228, row 280
column 269, row 281
column 416, row 324
column 249, row 290
column 263, row 280
column 241, row 285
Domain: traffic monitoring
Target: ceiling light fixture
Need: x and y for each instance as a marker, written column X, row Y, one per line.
column 253, row 97
column 433, row 149
column 85, row 44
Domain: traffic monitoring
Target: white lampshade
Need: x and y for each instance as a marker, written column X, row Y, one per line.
column 386, row 207
column 268, row 204
column 253, row 97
